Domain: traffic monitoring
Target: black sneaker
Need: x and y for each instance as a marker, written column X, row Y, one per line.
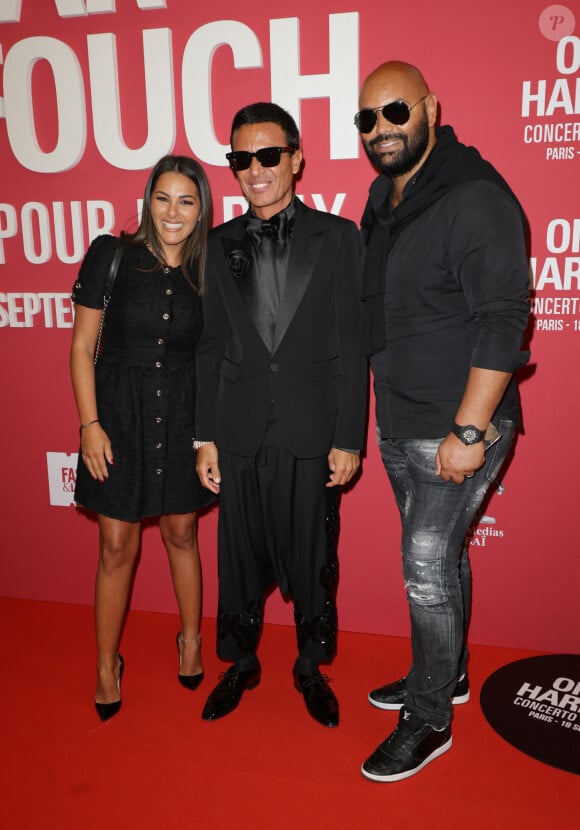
column 393, row 695
column 407, row 750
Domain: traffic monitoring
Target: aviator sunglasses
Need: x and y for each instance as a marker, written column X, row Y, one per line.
column 397, row 112
column 267, row 156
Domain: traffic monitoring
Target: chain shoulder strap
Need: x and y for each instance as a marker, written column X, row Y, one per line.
column 114, row 267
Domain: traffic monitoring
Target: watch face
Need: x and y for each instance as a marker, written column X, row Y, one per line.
column 470, row 435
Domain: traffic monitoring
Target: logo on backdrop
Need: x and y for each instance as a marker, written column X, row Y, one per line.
column 485, row 531
column 485, row 528
column 550, row 109
column 534, row 704
column 559, row 271
column 551, row 106
column 62, row 471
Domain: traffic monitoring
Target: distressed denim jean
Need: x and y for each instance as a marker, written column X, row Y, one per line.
column 435, row 517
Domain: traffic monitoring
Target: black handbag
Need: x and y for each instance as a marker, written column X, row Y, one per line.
column 114, row 267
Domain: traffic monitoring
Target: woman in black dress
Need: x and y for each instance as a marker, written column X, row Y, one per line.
column 136, row 407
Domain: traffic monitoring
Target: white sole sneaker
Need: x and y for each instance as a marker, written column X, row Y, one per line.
column 400, row 776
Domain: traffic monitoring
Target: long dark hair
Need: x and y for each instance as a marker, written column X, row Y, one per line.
column 195, row 248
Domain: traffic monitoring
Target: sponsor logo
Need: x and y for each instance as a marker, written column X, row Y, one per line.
column 484, row 528
column 484, row 532
column 62, row 473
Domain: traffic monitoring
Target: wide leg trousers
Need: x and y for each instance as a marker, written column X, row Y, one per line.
column 278, row 522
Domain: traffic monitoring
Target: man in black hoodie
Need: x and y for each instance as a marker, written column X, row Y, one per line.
column 445, row 306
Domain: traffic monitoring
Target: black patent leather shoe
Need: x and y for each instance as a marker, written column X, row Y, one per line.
column 228, row 692
column 319, row 698
column 106, row 710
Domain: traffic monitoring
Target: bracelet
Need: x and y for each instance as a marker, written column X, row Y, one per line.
column 89, row 423
column 196, row 445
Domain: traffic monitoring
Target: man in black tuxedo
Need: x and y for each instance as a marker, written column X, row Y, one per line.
column 280, row 412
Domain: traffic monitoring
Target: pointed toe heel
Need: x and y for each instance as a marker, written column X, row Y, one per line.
column 188, row 681
column 108, row 710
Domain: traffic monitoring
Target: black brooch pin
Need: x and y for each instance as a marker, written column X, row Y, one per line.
column 239, row 263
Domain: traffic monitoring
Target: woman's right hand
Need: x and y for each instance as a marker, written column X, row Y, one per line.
column 96, row 448
column 96, row 451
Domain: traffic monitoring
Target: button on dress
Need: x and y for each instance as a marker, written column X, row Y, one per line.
column 145, row 385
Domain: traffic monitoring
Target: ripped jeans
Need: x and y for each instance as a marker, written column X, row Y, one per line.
column 435, row 517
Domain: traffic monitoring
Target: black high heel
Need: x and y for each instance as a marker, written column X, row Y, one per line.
column 189, row 681
column 106, row 710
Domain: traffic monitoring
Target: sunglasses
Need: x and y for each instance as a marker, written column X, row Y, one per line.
column 397, row 112
column 267, row 157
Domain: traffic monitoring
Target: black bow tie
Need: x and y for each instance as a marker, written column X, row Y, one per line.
column 278, row 227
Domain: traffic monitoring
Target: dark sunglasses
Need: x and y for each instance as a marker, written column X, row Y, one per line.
column 397, row 112
column 267, row 156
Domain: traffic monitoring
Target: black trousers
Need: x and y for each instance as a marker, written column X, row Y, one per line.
column 278, row 522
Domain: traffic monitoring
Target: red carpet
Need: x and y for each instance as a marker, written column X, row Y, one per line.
column 268, row 765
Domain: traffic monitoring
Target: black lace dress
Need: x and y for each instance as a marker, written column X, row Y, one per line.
column 145, row 385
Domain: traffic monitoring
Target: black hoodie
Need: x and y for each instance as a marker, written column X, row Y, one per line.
column 445, row 284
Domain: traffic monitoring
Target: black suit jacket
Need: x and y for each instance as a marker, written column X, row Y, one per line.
column 316, row 374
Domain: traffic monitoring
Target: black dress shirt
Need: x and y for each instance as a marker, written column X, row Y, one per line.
column 455, row 285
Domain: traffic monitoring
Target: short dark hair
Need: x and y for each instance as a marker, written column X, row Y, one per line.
column 266, row 112
column 195, row 248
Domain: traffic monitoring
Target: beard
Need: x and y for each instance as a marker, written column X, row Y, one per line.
column 411, row 153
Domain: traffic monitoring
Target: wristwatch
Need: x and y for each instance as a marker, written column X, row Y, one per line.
column 468, row 434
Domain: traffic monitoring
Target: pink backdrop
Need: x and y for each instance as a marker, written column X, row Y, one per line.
column 90, row 98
